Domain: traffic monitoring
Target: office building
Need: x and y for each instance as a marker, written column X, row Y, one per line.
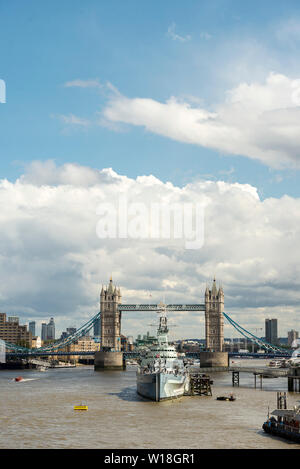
column 48, row 330
column 11, row 331
column 82, row 344
column 32, row 328
column 14, row 319
column 44, row 333
column 51, row 330
column 271, row 331
column 97, row 328
column 69, row 331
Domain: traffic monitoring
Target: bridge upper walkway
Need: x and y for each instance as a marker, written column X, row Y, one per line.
column 155, row 307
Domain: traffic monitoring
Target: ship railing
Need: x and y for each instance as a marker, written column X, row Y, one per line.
column 289, row 428
column 157, row 370
column 284, row 426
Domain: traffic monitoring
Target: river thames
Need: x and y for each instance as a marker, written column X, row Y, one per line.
column 38, row 412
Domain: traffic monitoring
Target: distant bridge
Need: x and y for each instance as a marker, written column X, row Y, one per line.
column 55, row 348
column 128, row 355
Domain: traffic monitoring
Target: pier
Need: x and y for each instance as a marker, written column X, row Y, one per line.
column 292, row 374
column 294, row 380
column 200, row 385
column 258, row 372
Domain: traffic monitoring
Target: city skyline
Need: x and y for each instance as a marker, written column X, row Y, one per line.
column 96, row 331
column 166, row 105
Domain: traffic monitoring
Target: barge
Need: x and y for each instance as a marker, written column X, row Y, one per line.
column 283, row 422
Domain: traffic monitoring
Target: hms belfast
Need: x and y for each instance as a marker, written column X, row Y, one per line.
column 161, row 375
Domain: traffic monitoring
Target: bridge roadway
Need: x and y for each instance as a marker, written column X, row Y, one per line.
column 136, row 354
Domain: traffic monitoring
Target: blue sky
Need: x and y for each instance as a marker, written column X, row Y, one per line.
column 45, row 45
column 189, row 92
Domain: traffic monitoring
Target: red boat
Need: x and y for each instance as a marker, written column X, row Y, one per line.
column 19, row 378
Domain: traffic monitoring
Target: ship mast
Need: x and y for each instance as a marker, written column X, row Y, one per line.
column 163, row 322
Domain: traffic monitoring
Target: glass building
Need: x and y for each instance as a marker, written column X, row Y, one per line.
column 32, row 328
column 271, row 331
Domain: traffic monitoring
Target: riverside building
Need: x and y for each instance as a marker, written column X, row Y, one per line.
column 11, row 331
column 83, row 344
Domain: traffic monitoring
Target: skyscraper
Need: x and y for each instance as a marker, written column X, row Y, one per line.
column 32, row 328
column 44, row 331
column 97, row 328
column 51, row 330
column 271, row 331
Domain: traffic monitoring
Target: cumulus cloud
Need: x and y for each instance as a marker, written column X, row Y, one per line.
column 53, row 263
column 259, row 121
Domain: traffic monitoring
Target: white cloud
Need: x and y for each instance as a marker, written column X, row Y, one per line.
column 71, row 119
column 53, row 264
column 83, row 84
column 176, row 37
column 259, row 121
column 205, row 35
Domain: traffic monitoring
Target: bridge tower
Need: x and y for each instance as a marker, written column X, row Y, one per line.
column 214, row 321
column 110, row 318
column 110, row 356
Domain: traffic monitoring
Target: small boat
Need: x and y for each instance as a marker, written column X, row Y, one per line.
column 276, row 364
column 41, row 368
column 81, row 407
column 18, row 379
column 226, row 398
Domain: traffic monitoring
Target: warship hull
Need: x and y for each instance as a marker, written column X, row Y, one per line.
column 161, row 386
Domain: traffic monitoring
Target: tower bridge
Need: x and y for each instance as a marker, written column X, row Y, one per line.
column 111, row 309
column 110, row 316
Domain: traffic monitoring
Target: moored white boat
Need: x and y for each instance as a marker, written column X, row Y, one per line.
column 277, row 363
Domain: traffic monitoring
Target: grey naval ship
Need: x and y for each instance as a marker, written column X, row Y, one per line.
column 161, row 375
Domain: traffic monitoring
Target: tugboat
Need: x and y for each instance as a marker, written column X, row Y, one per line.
column 227, row 398
column 161, row 375
column 284, row 422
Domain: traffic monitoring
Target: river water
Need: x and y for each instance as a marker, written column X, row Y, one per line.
column 38, row 412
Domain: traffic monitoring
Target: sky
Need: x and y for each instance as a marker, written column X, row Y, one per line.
column 166, row 102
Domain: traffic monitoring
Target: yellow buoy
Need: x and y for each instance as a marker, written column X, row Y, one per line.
column 81, row 407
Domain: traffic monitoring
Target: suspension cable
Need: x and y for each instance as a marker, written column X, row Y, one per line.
column 252, row 337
